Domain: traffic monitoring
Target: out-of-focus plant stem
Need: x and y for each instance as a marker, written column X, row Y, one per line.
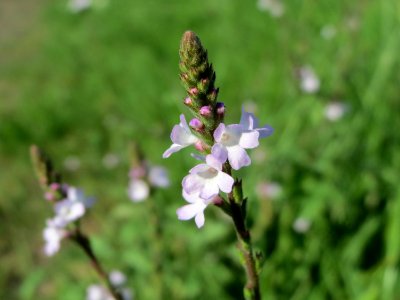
column 84, row 243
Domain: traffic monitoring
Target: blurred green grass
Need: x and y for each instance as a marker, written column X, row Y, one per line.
column 85, row 85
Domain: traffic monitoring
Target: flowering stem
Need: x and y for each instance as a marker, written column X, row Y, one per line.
column 238, row 215
column 84, row 243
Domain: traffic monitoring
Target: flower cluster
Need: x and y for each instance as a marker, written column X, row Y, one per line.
column 223, row 147
column 206, row 180
column 68, row 210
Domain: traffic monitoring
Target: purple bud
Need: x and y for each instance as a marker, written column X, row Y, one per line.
column 196, row 124
column 188, row 101
column 217, row 200
column 205, row 111
column 137, row 172
column 199, row 146
column 193, row 91
column 54, row 186
column 220, row 108
column 49, row 196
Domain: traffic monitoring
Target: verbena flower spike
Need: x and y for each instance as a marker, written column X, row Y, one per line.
column 223, row 148
column 70, row 205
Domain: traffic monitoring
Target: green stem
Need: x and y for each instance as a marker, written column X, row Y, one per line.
column 252, row 287
column 84, row 243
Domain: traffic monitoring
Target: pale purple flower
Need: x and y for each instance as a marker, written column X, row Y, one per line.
column 250, row 122
column 138, row 190
column 195, row 209
column 52, row 236
column 231, row 140
column 208, row 179
column 181, row 137
column 72, row 208
column 309, row 82
column 158, row 177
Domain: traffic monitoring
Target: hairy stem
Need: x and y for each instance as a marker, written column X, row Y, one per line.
column 252, row 288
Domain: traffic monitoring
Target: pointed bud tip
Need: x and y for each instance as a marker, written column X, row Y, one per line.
column 190, row 40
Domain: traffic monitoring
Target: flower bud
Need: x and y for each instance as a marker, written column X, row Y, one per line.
column 199, row 146
column 193, row 91
column 205, row 111
column 188, row 101
column 220, row 108
column 196, row 124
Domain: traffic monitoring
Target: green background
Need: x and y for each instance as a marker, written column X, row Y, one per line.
column 84, row 85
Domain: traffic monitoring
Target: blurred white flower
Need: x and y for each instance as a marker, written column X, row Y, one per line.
column 335, row 110
column 309, row 82
column 269, row 190
column 117, row 278
column 127, row 294
column 71, row 208
column 52, row 236
column 328, row 32
column 110, row 160
column 98, row 292
column 143, row 177
column 72, row 163
column 138, row 190
column 77, row 6
column 274, row 7
column 301, row 225
column 158, row 177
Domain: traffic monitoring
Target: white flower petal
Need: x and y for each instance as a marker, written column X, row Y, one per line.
column 265, row 131
column 218, row 132
column 238, row 157
column 209, row 189
column 199, row 219
column 138, row 190
column 174, row 148
column 249, row 139
column 219, row 152
column 192, row 183
column 225, row 182
column 158, row 177
column 188, row 211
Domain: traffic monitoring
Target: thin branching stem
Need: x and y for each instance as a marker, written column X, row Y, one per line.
column 84, row 243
